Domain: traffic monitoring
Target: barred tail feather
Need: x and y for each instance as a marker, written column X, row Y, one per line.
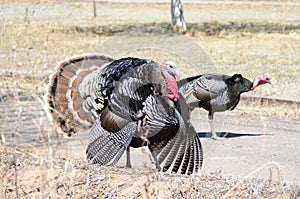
column 107, row 147
column 64, row 99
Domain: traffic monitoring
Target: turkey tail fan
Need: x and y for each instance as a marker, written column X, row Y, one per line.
column 107, row 147
column 66, row 98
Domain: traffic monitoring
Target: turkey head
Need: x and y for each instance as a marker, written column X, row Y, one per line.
column 260, row 80
column 170, row 72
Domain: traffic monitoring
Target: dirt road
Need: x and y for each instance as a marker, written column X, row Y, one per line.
column 251, row 141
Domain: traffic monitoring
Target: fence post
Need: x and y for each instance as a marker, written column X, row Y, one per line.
column 95, row 9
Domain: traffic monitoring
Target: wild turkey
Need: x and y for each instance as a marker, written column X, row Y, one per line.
column 217, row 92
column 129, row 97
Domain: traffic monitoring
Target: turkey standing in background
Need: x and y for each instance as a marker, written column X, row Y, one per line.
column 130, row 97
column 217, row 92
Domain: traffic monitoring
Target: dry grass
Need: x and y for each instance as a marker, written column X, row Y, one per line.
column 251, row 54
column 284, row 110
column 42, row 175
column 31, row 41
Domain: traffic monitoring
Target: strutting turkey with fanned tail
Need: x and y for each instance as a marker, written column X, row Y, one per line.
column 217, row 92
column 125, row 100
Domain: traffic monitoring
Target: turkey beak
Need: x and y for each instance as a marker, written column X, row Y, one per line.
column 176, row 75
column 266, row 81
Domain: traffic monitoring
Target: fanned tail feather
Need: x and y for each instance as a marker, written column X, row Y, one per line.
column 64, row 99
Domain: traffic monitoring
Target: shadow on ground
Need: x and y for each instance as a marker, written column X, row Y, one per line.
column 229, row 134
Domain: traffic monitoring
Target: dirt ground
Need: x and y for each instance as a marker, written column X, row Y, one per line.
column 259, row 157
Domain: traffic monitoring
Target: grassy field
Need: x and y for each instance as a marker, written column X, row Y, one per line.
column 236, row 39
column 220, row 38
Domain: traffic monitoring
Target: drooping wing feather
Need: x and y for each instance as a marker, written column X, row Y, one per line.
column 202, row 88
column 160, row 118
column 182, row 153
column 173, row 139
column 229, row 97
column 212, row 83
column 107, row 147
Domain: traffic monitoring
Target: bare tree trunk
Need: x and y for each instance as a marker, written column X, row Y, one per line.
column 95, row 9
column 177, row 14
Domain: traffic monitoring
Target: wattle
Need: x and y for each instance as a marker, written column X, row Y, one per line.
column 172, row 88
